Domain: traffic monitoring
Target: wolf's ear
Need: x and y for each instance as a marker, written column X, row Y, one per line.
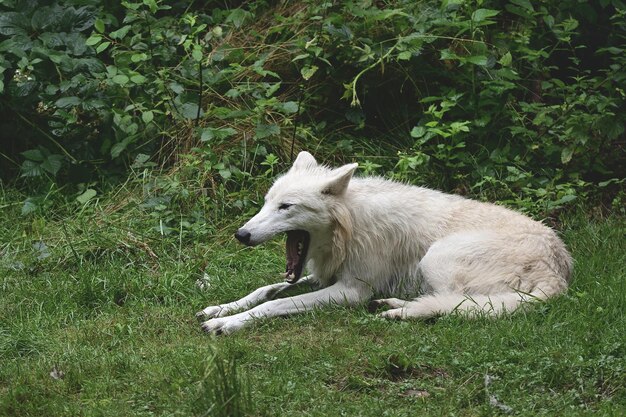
column 340, row 178
column 304, row 160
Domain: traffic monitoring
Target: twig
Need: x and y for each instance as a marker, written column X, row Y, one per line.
column 355, row 99
column 53, row 140
column 295, row 121
column 69, row 241
column 142, row 245
column 200, row 90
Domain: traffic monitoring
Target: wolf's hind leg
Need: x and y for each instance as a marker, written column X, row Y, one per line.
column 256, row 297
column 422, row 307
column 468, row 305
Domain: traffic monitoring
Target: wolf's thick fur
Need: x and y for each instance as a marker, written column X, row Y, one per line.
column 375, row 237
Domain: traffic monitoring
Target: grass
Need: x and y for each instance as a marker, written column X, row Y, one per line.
column 96, row 321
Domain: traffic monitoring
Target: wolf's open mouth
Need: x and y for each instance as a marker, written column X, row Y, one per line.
column 297, row 248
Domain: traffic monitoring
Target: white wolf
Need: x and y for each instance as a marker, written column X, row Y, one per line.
column 365, row 237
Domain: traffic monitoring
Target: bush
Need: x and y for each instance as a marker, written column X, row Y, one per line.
column 513, row 100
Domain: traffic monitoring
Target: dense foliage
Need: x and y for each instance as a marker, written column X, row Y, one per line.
column 517, row 100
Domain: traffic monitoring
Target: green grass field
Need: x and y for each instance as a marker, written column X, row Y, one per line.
column 97, row 318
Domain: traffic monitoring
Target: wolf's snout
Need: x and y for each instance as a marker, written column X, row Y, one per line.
column 243, row 236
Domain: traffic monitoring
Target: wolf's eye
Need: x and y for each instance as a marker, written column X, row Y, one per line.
column 284, row 206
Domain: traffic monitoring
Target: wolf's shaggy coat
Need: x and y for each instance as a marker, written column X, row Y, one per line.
column 375, row 237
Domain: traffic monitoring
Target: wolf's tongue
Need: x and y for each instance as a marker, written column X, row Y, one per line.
column 297, row 242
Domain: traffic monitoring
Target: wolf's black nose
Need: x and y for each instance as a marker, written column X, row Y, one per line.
column 243, row 236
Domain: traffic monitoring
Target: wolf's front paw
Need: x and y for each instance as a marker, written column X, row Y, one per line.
column 224, row 325
column 210, row 312
column 394, row 314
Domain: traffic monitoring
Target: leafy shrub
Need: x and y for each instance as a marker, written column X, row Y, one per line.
column 498, row 96
column 509, row 99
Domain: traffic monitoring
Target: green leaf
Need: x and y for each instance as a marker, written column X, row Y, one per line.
column 196, row 54
column 152, row 5
column 263, row 130
column 272, row 88
column 86, row 196
column 93, row 40
column 418, row 131
column 120, row 33
column 77, row 19
column 120, row 79
column 147, row 116
column 566, row 155
column 549, row 21
column 237, row 17
column 46, row 18
column 506, row 59
column 31, row 169
column 176, row 87
column 141, row 160
column 65, row 102
column 386, row 14
column 102, row 46
column 120, row 147
column 12, row 23
column 99, row 25
column 307, row 72
column 290, row 107
column 52, row 163
column 189, row 110
column 139, row 57
column 138, row 79
column 404, row 55
column 342, row 33
column 477, row 60
column 258, row 68
column 356, row 116
column 611, row 181
column 111, row 70
column 448, row 54
column 481, row 15
column 565, row 199
column 33, row 155
column 210, row 133
column 525, row 4
column 56, row 57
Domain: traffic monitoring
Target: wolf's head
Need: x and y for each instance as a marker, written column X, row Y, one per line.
column 304, row 204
